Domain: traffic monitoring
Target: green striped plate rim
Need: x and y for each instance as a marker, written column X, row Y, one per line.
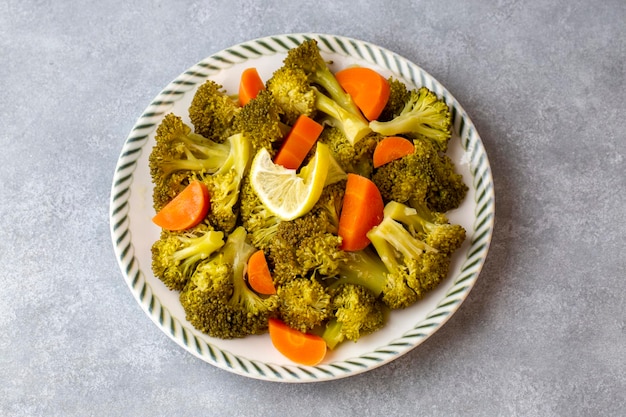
column 132, row 232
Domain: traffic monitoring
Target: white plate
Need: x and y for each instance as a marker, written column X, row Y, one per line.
column 133, row 232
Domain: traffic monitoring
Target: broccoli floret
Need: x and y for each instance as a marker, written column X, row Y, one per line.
column 398, row 97
column 425, row 175
column 295, row 95
column 328, row 206
column 303, row 303
column 433, row 228
column 212, row 111
column 356, row 313
column 224, row 185
column 259, row 121
column 447, row 190
column 175, row 255
column 307, row 57
column 307, row 244
column 178, row 155
column 260, row 222
column 355, row 158
column 414, row 266
column 423, row 116
column 217, row 300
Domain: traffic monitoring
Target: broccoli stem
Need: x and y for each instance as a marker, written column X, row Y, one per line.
column 332, row 334
column 353, row 126
column 362, row 268
column 198, row 248
column 391, row 232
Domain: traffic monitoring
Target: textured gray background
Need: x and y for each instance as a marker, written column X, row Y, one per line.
column 543, row 333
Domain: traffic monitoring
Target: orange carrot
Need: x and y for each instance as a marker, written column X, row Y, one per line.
column 259, row 275
column 298, row 142
column 369, row 90
column 250, row 85
column 391, row 148
column 302, row 348
column 186, row 210
column 362, row 209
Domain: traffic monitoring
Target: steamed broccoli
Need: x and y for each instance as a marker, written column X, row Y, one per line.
column 176, row 254
column 260, row 222
column 433, row 228
column 355, row 158
column 426, row 175
column 414, row 266
column 180, row 155
column 217, row 300
column 307, row 57
column 295, row 95
column 398, row 97
column 308, row 244
column 363, row 268
column 303, row 303
column 212, row 111
column 356, row 313
column 328, row 206
column 423, row 116
column 225, row 183
column 259, row 121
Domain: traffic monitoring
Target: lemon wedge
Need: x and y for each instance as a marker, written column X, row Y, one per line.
column 287, row 193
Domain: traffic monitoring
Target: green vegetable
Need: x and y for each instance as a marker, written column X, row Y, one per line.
column 212, row 111
column 217, row 300
column 415, row 267
column 319, row 287
column 308, row 244
column 256, row 218
column 424, row 177
column 356, row 313
column 304, row 303
column 179, row 155
column 259, row 121
column 434, row 228
column 176, row 254
column 398, row 97
column 297, row 84
column 355, row 158
column 423, row 116
column 307, row 57
column 224, row 184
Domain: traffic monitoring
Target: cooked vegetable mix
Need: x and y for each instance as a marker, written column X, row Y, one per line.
column 309, row 206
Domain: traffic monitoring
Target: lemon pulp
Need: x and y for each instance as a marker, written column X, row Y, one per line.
column 287, row 193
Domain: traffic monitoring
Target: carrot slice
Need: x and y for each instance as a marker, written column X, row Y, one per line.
column 186, row 210
column 259, row 275
column 362, row 209
column 369, row 90
column 249, row 85
column 298, row 142
column 391, row 148
column 302, row 348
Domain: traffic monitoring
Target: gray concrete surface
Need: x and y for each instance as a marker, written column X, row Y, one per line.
column 543, row 333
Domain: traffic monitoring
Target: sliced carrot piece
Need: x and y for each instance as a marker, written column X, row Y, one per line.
column 361, row 210
column 249, row 85
column 259, row 275
column 186, row 210
column 369, row 90
column 302, row 348
column 298, row 142
column 391, row 148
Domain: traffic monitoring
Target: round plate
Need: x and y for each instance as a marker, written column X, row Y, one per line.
column 133, row 232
